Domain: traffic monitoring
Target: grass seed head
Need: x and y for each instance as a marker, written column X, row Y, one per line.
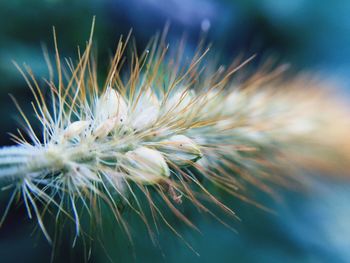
column 153, row 128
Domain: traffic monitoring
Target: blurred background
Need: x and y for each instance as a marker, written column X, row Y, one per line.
column 311, row 35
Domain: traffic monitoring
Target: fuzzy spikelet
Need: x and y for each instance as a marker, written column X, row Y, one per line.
column 180, row 150
column 162, row 125
column 146, row 166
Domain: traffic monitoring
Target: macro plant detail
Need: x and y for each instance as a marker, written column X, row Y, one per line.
column 166, row 125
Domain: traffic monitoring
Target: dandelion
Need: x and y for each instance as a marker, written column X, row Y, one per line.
column 158, row 128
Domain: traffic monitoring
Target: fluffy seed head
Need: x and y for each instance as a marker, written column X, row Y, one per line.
column 163, row 124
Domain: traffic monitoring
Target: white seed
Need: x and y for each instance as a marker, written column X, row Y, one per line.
column 145, row 118
column 146, row 165
column 105, row 128
column 151, row 97
column 179, row 101
column 180, row 150
column 146, row 111
column 75, row 128
column 111, row 105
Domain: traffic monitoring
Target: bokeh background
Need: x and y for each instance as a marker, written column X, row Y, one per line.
column 310, row 35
